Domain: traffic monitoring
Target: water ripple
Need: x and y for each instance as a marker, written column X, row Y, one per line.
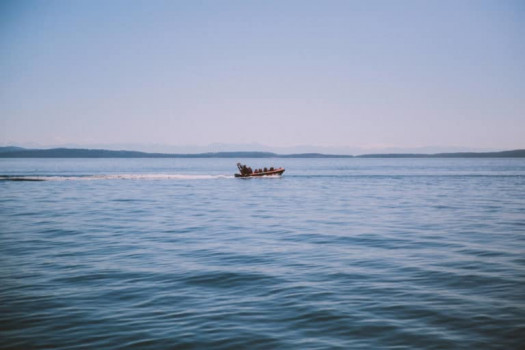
column 350, row 254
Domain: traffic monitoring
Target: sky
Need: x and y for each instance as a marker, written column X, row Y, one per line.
column 368, row 75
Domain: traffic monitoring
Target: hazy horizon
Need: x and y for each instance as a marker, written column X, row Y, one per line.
column 254, row 147
column 341, row 76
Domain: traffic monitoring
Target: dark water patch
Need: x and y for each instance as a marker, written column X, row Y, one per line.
column 360, row 240
column 97, row 277
column 483, row 253
column 222, row 279
column 20, row 178
column 230, row 258
column 132, row 200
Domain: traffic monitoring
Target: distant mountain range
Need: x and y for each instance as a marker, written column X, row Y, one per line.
column 19, row 152
column 256, row 147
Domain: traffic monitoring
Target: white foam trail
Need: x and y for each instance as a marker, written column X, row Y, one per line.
column 159, row 177
column 118, row 177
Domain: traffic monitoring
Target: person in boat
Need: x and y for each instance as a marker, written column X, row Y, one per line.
column 242, row 169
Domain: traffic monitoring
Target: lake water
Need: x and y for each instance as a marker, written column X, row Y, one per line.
column 338, row 253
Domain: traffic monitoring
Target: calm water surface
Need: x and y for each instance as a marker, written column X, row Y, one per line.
column 338, row 253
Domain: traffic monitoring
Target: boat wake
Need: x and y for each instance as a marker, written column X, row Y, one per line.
column 113, row 177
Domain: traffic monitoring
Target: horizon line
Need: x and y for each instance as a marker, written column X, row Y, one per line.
column 65, row 152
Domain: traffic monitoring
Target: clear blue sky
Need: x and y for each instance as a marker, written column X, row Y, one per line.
column 328, row 73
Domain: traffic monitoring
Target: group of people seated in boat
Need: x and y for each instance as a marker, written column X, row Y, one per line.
column 246, row 170
column 256, row 171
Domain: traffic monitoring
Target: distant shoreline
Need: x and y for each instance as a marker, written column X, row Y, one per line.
column 18, row 152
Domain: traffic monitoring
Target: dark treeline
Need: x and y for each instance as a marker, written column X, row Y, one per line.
column 18, row 152
column 520, row 153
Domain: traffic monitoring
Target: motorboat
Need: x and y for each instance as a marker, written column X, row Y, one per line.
column 245, row 171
